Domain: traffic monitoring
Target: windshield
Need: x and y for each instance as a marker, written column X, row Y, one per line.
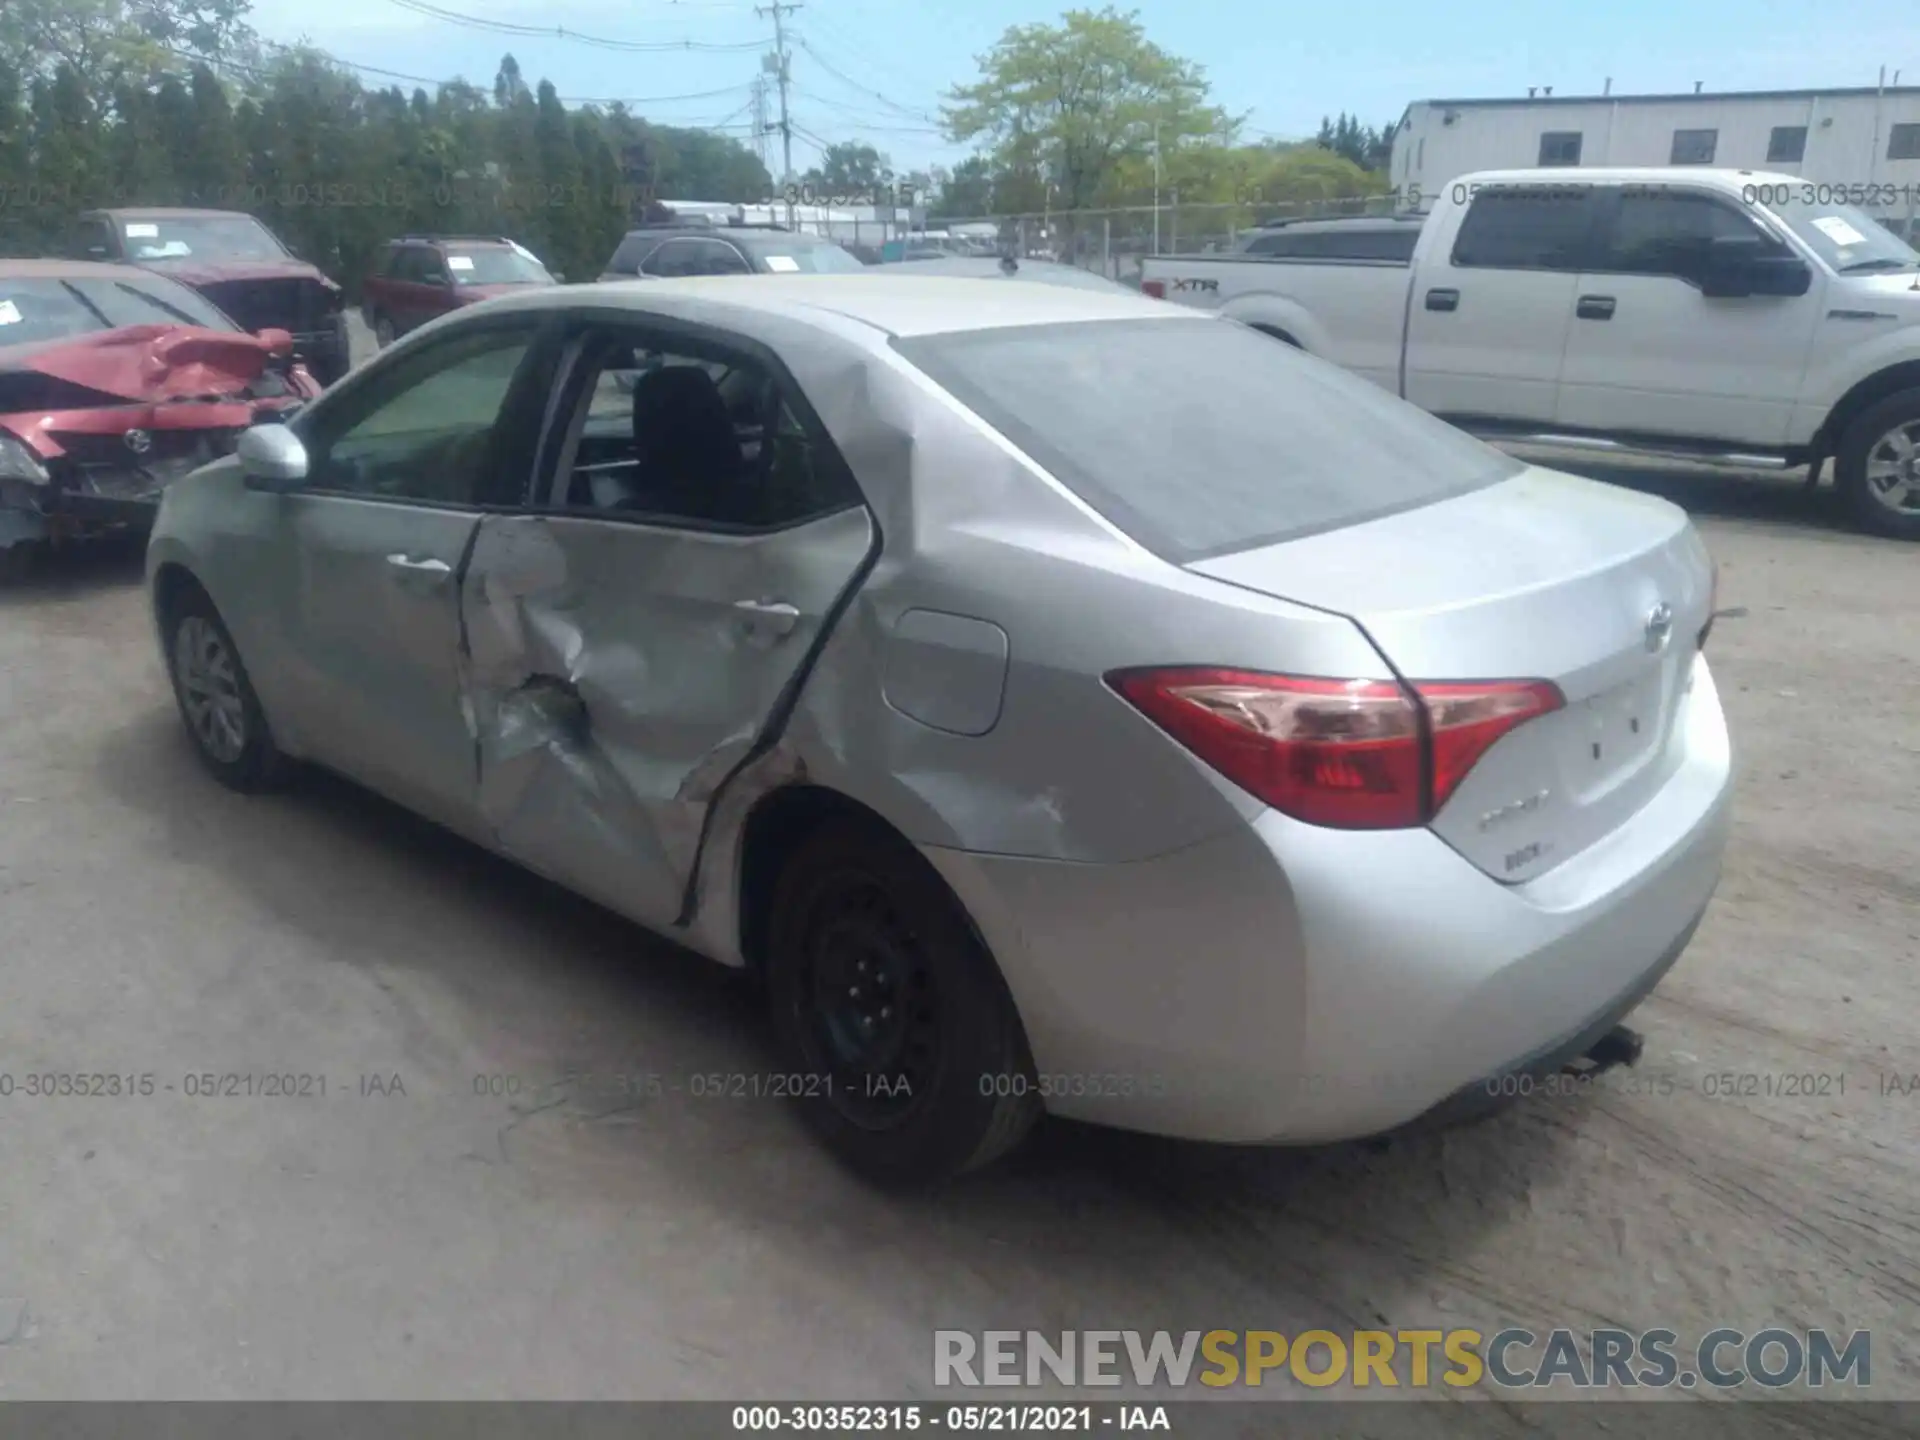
column 809, row 257
column 1198, row 437
column 48, row 308
column 495, row 267
column 1849, row 240
column 210, row 237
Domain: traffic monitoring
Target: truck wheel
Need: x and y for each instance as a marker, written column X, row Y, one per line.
column 1878, row 467
column 907, row 1055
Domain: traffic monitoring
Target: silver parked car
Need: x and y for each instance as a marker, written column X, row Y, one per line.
column 1064, row 700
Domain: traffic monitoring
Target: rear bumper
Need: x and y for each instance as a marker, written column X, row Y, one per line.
column 1285, row 983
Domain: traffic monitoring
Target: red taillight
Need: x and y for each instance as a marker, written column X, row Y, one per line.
column 1156, row 288
column 1348, row 754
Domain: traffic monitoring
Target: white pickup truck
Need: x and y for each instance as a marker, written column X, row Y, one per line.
column 1729, row 317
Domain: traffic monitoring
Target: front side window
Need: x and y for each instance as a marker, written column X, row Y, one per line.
column 429, row 431
column 1525, row 227
column 1694, row 147
column 707, row 440
column 1661, row 231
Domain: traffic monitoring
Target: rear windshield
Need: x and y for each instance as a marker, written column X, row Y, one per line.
column 1200, row 437
column 47, row 308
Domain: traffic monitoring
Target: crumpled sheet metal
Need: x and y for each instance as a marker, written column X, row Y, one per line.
column 971, row 531
column 556, row 719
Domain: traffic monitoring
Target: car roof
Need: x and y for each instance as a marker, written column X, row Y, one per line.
column 992, row 267
column 877, row 297
column 1630, row 175
column 69, row 270
column 1339, row 222
column 172, row 212
column 471, row 242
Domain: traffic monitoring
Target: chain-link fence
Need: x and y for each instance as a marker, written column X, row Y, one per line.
column 1114, row 242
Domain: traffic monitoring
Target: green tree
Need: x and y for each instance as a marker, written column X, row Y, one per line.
column 1060, row 109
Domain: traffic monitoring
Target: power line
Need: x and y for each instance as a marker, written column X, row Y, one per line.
column 290, row 51
column 558, row 32
column 895, row 105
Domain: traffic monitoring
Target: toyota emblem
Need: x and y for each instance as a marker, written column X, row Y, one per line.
column 138, row 441
column 1659, row 627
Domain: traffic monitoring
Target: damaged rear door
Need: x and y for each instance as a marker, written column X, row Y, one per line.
column 633, row 633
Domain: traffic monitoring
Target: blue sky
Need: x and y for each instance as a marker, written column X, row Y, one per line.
column 867, row 70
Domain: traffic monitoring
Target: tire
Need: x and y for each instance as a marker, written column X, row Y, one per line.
column 856, row 905
column 329, row 365
column 1882, row 502
column 19, row 561
column 216, row 699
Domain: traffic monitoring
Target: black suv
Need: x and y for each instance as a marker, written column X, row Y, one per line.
column 1335, row 237
column 660, row 251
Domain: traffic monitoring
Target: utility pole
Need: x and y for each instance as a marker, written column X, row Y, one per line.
column 779, row 12
column 761, row 127
column 1156, row 187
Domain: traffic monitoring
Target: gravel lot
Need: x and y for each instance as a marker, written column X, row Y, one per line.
column 552, row 1243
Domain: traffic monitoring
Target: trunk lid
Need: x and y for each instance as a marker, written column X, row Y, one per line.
column 1542, row 577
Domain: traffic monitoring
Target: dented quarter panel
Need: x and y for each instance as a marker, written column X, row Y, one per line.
column 971, row 528
column 613, row 684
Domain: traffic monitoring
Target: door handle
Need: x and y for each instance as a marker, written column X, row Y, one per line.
column 1443, row 299
column 767, row 620
column 419, row 573
column 1595, row 307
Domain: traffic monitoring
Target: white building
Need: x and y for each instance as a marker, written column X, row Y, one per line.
column 1868, row 138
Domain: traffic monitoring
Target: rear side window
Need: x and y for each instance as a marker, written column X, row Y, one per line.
column 1525, row 227
column 1201, row 437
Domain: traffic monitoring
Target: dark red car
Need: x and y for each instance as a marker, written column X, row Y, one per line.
column 421, row 277
column 114, row 382
column 238, row 264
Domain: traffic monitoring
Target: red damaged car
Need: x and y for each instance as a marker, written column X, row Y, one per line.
column 238, row 264
column 114, row 382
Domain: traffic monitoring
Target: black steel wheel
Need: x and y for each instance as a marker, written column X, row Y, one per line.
column 914, row 1065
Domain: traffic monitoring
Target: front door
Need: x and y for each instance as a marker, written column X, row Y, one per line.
column 1650, row 353
column 403, row 463
column 634, row 633
column 1488, row 319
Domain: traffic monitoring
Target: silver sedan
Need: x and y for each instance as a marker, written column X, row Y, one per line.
column 1066, row 702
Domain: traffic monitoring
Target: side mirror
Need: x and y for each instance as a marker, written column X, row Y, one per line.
column 273, row 458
